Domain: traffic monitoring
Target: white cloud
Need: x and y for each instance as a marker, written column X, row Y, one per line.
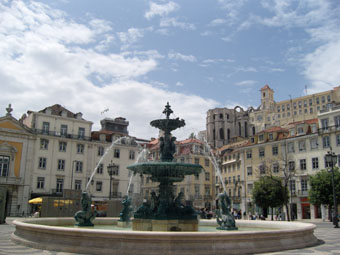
column 217, row 22
column 161, row 9
column 173, row 22
column 41, row 66
column 246, row 83
column 179, row 56
column 179, row 84
column 132, row 36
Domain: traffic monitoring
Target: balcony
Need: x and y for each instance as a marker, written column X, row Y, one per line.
column 10, row 180
column 302, row 193
column 58, row 134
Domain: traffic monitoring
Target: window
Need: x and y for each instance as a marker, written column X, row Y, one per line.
column 288, row 107
column 294, row 104
column 291, row 165
column 43, row 144
column 79, row 166
column 206, row 162
column 63, row 130
column 305, row 103
column 80, row 148
column 292, row 186
column 302, row 145
column 304, row 186
column 115, row 171
column 300, row 104
column 310, row 110
column 276, row 168
column 291, row 147
column 314, row 129
column 283, row 107
column 77, row 184
column 4, row 165
column 234, row 179
column 197, row 161
column 60, row 185
column 337, row 121
column 326, row 142
column 131, row 154
column 100, row 151
column 292, row 132
column 324, row 124
column 116, row 153
column 310, row 102
column 303, row 165
column 42, row 163
column 338, row 140
column 100, row 169
column 275, row 150
column 45, row 128
column 249, row 154
column 197, row 189
column 61, row 164
column 270, row 136
column 323, row 100
column 300, row 130
column 207, row 190
column 329, row 98
column 40, row 182
column 262, row 169
column 81, row 133
column 261, row 152
column 315, row 163
column 99, row 186
column 278, row 109
column 62, row 146
column 317, row 100
column 197, row 177
column 260, row 138
column 314, row 143
column 207, row 176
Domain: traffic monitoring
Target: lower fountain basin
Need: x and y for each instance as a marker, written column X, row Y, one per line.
column 48, row 233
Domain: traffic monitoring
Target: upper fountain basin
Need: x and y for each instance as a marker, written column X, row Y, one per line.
column 168, row 124
column 172, row 170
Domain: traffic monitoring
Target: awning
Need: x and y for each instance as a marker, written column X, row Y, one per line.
column 37, row 200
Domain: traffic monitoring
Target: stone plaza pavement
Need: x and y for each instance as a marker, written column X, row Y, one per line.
column 329, row 242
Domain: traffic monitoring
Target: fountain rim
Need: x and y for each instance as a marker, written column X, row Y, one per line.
column 278, row 230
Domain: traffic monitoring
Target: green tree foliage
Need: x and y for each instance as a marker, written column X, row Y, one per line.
column 321, row 189
column 269, row 192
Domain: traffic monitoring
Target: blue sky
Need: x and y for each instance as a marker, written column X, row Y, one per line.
column 133, row 56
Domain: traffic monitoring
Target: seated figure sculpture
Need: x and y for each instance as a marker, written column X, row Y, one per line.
column 224, row 218
column 126, row 212
column 88, row 214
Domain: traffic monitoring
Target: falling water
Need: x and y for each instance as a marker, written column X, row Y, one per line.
column 102, row 158
column 215, row 164
column 141, row 157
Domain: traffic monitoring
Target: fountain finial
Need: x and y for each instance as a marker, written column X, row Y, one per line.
column 167, row 111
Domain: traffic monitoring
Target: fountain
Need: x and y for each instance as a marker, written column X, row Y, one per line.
column 166, row 212
column 156, row 225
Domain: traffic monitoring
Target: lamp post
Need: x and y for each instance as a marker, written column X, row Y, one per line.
column 111, row 169
column 331, row 160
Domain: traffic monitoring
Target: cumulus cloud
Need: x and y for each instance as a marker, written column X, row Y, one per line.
column 246, row 83
column 161, row 9
column 47, row 58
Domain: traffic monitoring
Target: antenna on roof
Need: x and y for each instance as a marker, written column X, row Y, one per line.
column 306, row 90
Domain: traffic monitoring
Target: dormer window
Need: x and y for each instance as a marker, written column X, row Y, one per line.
column 261, row 137
column 48, row 111
column 300, row 130
column 270, row 136
column 64, row 114
column 292, row 131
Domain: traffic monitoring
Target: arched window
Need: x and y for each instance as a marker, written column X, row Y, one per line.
column 239, row 128
column 221, row 116
column 227, row 116
column 253, row 130
column 228, row 134
column 245, row 129
column 214, row 136
column 221, row 133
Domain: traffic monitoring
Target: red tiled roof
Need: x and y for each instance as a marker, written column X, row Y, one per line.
column 266, row 87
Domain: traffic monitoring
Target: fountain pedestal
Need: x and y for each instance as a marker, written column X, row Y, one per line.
column 165, row 225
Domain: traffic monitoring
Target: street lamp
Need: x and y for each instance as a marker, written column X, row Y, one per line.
column 111, row 169
column 331, row 160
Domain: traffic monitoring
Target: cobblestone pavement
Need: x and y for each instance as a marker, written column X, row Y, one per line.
column 329, row 242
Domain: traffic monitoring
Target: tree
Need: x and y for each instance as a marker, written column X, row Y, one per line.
column 321, row 189
column 269, row 192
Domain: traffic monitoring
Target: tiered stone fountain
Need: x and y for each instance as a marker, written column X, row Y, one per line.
column 166, row 212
